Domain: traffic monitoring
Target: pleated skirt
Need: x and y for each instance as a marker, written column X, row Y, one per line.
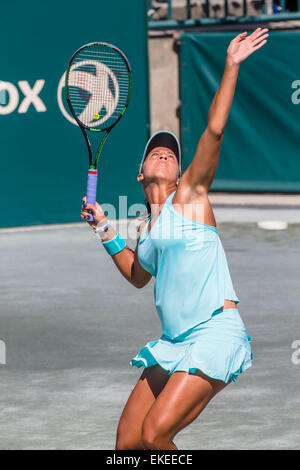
column 219, row 348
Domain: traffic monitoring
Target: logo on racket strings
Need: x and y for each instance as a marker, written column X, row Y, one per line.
column 97, row 92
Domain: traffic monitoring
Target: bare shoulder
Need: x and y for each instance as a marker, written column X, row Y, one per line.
column 193, row 203
column 187, row 194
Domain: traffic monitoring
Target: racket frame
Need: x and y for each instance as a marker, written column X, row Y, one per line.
column 92, row 173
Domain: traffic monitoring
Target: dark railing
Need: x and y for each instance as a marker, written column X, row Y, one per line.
column 270, row 10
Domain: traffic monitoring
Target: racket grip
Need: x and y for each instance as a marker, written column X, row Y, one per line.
column 91, row 189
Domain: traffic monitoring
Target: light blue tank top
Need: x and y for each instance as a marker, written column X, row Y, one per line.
column 189, row 263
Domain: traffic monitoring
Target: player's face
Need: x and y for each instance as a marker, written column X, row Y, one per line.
column 161, row 163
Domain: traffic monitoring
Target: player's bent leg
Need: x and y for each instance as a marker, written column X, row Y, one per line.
column 180, row 402
column 142, row 397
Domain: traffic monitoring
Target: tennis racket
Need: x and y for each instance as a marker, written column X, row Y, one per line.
column 98, row 87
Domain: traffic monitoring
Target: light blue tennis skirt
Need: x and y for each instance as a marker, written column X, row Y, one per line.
column 219, row 347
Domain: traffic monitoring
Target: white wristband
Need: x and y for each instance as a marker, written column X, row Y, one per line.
column 102, row 229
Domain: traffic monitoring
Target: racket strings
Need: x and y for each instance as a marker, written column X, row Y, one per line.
column 99, row 85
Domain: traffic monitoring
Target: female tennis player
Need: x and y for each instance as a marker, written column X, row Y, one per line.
column 204, row 345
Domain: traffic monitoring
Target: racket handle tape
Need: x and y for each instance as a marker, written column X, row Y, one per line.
column 91, row 189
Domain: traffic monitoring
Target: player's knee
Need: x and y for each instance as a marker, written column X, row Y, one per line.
column 150, row 435
column 149, row 442
column 127, row 440
column 128, row 444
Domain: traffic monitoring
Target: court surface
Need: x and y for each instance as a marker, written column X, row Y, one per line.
column 71, row 324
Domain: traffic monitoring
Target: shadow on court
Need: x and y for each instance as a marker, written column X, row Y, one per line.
column 71, row 324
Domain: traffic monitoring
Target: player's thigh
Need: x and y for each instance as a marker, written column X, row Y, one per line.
column 142, row 397
column 181, row 401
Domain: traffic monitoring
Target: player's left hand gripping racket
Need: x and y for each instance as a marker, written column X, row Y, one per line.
column 98, row 88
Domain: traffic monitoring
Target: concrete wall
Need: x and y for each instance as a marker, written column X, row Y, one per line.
column 164, row 85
